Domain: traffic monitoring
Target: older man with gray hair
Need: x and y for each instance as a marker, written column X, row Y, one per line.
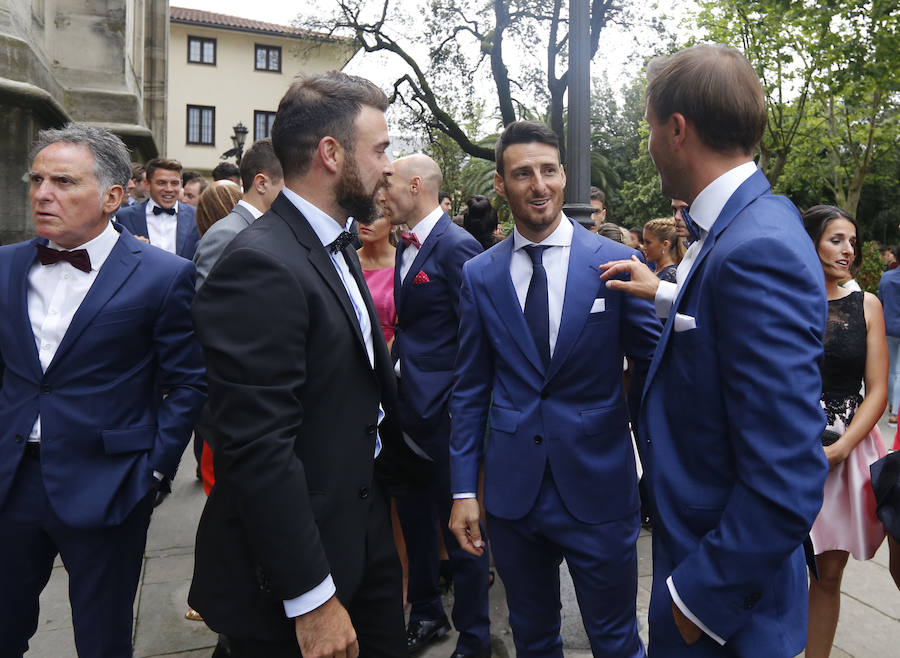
column 96, row 327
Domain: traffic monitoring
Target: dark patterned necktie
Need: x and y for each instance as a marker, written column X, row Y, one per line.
column 79, row 258
column 537, row 304
column 691, row 225
column 340, row 242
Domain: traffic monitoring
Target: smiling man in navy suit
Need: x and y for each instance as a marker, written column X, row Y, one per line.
column 731, row 419
column 161, row 219
column 102, row 380
column 540, row 358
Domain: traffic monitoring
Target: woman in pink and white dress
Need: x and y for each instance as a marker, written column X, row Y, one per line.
column 855, row 352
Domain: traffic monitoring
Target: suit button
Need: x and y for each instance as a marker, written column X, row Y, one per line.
column 751, row 600
column 19, row 438
column 45, row 388
column 538, row 439
column 371, row 429
column 544, row 395
column 364, row 492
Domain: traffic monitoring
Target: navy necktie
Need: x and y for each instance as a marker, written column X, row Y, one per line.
column 537, row 305
column 159, row 210
column 691, row 225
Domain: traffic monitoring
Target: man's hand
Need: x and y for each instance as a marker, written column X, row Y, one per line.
column 464, row 518
column 326, row 631
column 643, row 282
column 690, row 632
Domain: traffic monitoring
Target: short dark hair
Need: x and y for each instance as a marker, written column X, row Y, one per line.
column 162, row 163
column 717, row 89
column 225, row 170
column 817, row 218
column 188, row 175
column 319, row 106
column 260, row 158
column 523, row 132
column 443, row 195
column 611, row 231
column 137, row 171
column 480, row 220
column 598, row 195
column 111, row 162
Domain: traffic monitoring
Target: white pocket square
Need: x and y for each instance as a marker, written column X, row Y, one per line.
column 599, row 305
column 684, row 323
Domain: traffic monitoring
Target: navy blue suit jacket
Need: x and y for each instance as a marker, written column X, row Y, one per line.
column 134, row 218
column 105, row 422
column 428, row 322
column 889, row 294
column 731, row 425
column 574, row 414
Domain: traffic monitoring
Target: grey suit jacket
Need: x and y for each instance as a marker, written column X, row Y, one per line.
column 217, row 238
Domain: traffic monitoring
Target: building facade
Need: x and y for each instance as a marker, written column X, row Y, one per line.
column 225, row 70
column 100, row 62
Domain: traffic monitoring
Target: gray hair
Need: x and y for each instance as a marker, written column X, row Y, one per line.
column 112, row 165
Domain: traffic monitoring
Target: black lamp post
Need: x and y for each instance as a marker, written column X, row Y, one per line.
column 578, row 138
column 238, row 138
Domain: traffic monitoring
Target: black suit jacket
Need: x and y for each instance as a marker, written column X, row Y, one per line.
column 293, row 406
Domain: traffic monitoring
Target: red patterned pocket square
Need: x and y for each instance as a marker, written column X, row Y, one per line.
column 421, row 277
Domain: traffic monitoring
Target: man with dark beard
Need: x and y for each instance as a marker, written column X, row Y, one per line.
column 427, row 276
column 294, row 548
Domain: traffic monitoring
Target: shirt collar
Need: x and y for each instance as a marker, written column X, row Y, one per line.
column 713, row 197
column 423, row 228
column 151, row 203
column 561, row 236
column 325, row 227
column 253, row 210
column 98, row 248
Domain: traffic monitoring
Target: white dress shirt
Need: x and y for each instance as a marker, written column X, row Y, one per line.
column 253, row 210
column 162, row 228
column 54, row 294
column 556, row 264
column 422, row 230
column 327, row 230
column 704, row 211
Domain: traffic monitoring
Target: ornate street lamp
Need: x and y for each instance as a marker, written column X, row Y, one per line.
column 578, row 137
column 238, row 139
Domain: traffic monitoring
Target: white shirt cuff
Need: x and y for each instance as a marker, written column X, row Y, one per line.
column 311, row 600
column 665, row 297
column 687, row 613
column 460, row 496
column 159, row 476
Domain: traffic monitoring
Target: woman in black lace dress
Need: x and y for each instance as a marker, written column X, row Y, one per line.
column 855, row 352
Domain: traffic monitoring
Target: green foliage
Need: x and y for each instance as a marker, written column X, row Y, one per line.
column 871, row 268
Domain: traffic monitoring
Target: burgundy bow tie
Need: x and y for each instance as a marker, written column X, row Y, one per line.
column 409, row 238
column 78, row 258
column 159, row 210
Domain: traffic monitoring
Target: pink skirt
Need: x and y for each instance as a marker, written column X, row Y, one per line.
column 847, row 520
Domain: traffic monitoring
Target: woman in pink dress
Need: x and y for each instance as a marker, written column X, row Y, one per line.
column 855, row 352
column 376, row 256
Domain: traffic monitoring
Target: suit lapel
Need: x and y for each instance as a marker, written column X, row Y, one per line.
column 23, row 259
column 140, row 225
column 582, row 283
column 424, row 251
column 320, row 260
column 182, row 229
column 113, row 273
column 749, row 190
column 503, row 294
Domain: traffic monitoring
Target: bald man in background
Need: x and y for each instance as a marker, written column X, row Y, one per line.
column 427, row 278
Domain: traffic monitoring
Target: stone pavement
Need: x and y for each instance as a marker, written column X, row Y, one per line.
column 869, row 625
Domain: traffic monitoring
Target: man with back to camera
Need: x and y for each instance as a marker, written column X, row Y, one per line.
column 262, row 180
column 102, row 380
column 541, row 346
column 426, row 293
column 162, row 220
column 294, row 550
column 731, row 420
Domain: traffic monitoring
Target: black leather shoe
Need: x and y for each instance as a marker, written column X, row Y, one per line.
column 483, row 653
column 422, row 632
